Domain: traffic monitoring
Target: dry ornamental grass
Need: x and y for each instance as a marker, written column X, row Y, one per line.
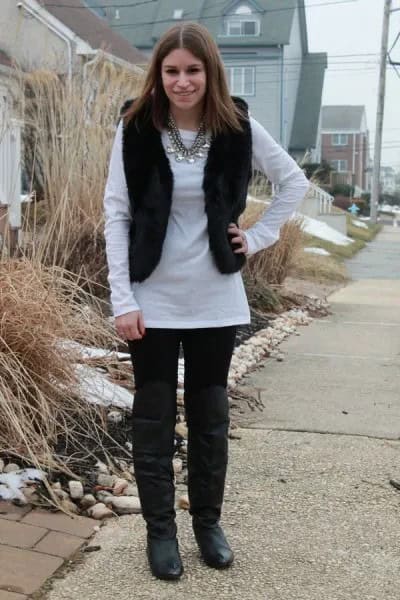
column 39, row 392
column 68, row 135
column 271, row 266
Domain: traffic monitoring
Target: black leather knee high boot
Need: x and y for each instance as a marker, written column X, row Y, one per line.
column 154, row 417
column 207, row 415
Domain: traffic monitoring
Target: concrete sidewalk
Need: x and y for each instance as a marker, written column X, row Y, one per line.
column 309, row 509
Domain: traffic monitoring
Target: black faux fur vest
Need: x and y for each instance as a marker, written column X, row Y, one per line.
column 150, row 184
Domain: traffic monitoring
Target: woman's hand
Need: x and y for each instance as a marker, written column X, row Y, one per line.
column 239, row 238
column 130, row 326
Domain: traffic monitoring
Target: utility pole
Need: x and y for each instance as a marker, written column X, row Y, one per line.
column 379, row 114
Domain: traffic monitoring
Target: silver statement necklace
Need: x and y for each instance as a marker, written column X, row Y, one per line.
column 198, row 149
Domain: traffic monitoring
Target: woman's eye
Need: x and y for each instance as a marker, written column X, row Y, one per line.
column 174, row 71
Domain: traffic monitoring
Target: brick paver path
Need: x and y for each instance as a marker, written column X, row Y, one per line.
column 34, row 543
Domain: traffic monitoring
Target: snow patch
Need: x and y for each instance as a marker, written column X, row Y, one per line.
column 323, row 231
column 10, row 483
column 89, row 352
column 359, row 224
column 97, row 389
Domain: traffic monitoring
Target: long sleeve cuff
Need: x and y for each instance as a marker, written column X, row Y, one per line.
column 122, row 309
column 259, row 237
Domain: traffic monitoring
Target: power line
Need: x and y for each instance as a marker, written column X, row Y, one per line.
column 311, row 77
column 133, row 5
column 394, row 43
column 391, row 62
column 217, row 16
column 352, row 55
column 93, row 6
column 394, row 65
column 201, row 19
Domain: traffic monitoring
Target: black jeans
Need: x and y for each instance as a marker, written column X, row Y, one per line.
column 207, row 354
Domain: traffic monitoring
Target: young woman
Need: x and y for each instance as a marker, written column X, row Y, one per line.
column 177, row 184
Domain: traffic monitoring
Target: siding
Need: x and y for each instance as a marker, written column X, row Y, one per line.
column 265, row 104
column 29, row 41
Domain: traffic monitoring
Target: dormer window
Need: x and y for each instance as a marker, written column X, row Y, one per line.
column 242, row 21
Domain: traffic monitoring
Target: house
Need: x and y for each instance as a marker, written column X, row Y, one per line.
column 264, row 48
column 63, row 37
column 345, row 145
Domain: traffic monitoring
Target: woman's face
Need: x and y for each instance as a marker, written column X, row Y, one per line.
column 184, row 79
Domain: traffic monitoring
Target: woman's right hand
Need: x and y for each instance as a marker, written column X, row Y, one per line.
column 130, row 326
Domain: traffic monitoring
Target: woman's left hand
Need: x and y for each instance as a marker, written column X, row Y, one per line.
column 239, row 238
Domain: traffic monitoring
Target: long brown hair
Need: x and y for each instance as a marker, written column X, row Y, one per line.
column 220, row 112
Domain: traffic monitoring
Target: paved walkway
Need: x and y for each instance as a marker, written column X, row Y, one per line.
column 309, row 509
column 380, row 259
column 33, row 545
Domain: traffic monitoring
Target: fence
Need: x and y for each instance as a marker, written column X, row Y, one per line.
column 317, row 202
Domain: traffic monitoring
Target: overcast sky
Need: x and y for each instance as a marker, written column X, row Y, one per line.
column 355, row 28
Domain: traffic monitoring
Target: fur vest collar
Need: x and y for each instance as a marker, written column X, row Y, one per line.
column 150, row 185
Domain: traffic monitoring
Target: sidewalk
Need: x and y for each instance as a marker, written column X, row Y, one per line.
column 34, row 544
column 309, row 510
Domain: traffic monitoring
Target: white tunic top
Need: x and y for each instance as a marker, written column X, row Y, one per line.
column 186, row 290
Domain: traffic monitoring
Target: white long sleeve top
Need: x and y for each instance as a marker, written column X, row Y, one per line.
column 186, row 290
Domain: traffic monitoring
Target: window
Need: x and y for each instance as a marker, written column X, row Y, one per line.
column 178, row 13
column 241, row 80
column 340, row 139
column 242, row 20
column 239, row 27
column 339, row 165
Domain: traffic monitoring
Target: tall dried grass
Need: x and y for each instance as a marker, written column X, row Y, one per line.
column 272, row 265
column 68, row 135
column 259, row 186
column 39, row 392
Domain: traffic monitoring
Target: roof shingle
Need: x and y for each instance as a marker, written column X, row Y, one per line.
column 144, row 22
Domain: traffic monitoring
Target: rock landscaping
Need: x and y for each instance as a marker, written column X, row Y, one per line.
column 101, row 490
